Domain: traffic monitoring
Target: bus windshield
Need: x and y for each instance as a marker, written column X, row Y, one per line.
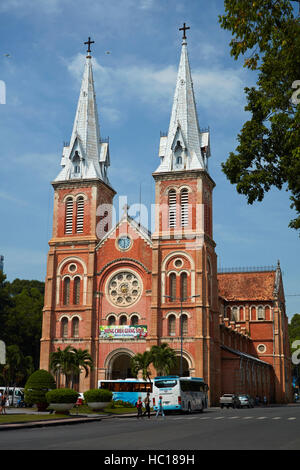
column 165, row 383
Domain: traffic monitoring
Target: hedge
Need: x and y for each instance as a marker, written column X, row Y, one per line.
column 62, row 395
column 96, row 395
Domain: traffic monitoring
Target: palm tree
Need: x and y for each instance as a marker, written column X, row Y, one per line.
column 163, row 358
column 141, row 361
column 82, row 360
column 61, row 362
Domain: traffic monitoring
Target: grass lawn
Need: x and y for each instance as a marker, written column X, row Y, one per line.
column 19, row 418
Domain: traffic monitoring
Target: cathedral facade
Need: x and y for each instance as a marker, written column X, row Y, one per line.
column 117, row 290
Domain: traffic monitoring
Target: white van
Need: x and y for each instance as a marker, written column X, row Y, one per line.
column 15, row 394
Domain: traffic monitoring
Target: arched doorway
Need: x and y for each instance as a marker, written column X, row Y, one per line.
column 119, row 366
column 185, row 367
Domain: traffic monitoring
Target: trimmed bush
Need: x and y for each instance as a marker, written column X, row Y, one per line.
column 62, row 395
column 36, row 387
column 96, row 395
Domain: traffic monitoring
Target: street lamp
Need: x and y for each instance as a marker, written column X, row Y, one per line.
column 181, row 300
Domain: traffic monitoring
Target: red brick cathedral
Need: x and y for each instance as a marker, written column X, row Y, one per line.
column 117, row 290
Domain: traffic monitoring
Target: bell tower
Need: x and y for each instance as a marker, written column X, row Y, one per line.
column 83, row 198
column 185, row 293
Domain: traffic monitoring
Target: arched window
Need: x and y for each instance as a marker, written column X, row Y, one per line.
column 171, row 325
column 64, row 328
column 183, row 286
column 67, row 291
column 172, row 287
column 260, row 313
column 134, row 320
column 75, row 327
column 111, row 320
column 184, row 324
column 79, row 214
column 184, row 203
column 69, row 216
column 77, row 290
column 234, row 314
column 123, row 320
column 172, row 208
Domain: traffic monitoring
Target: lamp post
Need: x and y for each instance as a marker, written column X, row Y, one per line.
column 181, row 300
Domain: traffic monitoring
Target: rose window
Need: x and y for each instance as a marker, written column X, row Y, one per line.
column 124, row 289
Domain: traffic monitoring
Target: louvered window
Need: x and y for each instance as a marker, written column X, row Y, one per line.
column 69, row 215
column 64, row 328
column 260, row 313
column 183, row 286
column 80, row 215
column 171, row 325
column 67, row 291
column 172, row 208
column 184, row 324
column 75, row 327
column 172, row 281
column 77, row 290
column 184, row 201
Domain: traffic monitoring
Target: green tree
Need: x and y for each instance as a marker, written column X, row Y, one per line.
column 267, row 34
column 142, row 361
column 163, row 358
column 82, row 361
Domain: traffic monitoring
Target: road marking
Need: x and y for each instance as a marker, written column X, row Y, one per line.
column 220, row 417
column 233, row 417
column 262, row 417
column 277, row 417
column 290, row 419
column 248, row 417
column 205, row 417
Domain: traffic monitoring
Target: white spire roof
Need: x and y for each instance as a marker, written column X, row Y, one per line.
column 86, row 156
column 185, row 147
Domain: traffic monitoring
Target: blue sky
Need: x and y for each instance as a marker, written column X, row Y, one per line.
column 134, row 83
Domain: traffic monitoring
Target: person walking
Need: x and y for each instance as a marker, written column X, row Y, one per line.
column 3, row 403
column 160, row 408
column 139, row 406
column 147, row 405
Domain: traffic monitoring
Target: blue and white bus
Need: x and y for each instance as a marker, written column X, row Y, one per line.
column 186, row 394
column 128, row 390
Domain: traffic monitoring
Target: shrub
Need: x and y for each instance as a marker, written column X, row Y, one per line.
column 97, row 395
column 62, row 395
column 36, row 387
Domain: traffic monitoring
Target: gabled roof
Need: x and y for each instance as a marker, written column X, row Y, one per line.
column 144, row 233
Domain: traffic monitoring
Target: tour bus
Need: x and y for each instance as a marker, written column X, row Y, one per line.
column 186, row 394
column 15, row 394
column 128, row 390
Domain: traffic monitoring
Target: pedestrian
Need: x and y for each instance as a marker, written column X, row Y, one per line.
column 3, row 404
column 139, row 406
column 147, row 405
column 160, row 408
column 265, row 400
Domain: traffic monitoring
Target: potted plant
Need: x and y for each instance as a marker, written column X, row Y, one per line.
column 61, row 400
column 97, row 398
column 36, row 387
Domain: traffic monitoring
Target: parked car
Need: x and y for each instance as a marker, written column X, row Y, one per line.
column 246, row 400
column 230, row 400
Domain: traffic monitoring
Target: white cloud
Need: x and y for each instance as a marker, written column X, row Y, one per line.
column 153, row 85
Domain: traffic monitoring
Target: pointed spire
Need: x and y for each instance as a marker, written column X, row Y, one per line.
column 86, row 156
column 185, row 147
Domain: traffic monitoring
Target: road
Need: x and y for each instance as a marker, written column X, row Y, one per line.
column 265, row 428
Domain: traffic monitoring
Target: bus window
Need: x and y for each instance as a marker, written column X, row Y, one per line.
column 165, row 383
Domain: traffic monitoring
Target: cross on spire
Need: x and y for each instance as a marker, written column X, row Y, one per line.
column 184, row 29
column 89, row 42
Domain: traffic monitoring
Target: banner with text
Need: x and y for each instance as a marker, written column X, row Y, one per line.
column 123, row 332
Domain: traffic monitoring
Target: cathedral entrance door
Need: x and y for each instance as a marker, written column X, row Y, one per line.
column 120, row 367
column 176, row 368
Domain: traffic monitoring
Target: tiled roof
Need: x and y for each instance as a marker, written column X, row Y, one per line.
column 247, row 285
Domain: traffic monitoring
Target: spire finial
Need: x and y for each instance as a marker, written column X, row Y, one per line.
column 89, row 42
column 184, row 29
